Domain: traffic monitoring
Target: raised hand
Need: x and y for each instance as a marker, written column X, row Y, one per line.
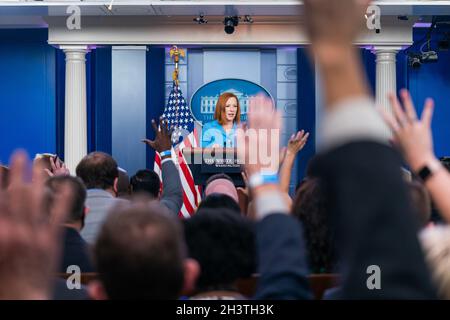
column 163, row 140
column 258, row 146
column 332, row 27
column 333, row 23
column 29, row 233
column 58, row 168
column 297, row 142
column 412, row 135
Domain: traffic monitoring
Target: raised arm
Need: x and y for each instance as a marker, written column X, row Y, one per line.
column 30, row 232
column 414, row 138
column 172, row 196
column 281, row 251
column 370, row 207
column 295, row 144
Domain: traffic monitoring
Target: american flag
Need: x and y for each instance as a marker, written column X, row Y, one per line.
column 179, row 117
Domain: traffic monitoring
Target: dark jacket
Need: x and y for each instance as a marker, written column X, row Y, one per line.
column 282, row 259
column 375, row 222
column 75, row 252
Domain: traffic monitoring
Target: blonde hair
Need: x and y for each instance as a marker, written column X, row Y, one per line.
column 436, row 245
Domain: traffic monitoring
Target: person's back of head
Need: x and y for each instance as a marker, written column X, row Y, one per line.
column 219, row 201
column 139, row 253
column 146, row 181
column 222, row 184
column 421, row 202
column 310, row 207
column 78, row 196
column 98, row 170
column 224, row 245
column 44, row 160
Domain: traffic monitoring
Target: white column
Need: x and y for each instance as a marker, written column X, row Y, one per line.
column 75, row 128
column 386, row 76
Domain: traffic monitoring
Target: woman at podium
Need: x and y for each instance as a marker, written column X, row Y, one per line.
column 221, row 133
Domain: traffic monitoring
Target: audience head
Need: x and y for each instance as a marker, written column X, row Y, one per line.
column 140, row 254
column 146, row 181
column 77, row 210
column 224, row 245
column 98, row 170
column 123, row 184
column 219, row 201
column 47, row 162
column 222, row 184
column 310, row 207
column 44, row 159
column 436, row 244
column 421, row 202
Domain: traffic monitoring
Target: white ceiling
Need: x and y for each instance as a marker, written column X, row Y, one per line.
column 26, row 13
column 208, row 7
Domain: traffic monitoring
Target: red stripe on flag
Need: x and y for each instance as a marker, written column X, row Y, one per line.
column 188, row 175
column 187, row 204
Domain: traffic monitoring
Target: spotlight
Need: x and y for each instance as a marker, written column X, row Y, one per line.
column 430, row 57
column 201, row 19
column 414, row 61
column 248, row 19
column 230, row 23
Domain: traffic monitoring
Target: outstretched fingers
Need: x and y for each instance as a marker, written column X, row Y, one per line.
column 427, row 114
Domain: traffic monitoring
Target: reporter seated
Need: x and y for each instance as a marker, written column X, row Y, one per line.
column 219, row 201
column 100, row 174
column 312, row 209
column 75, row 249
column 146, row 181
column 172, row 194
column 140, row 253
column 221, row 183
column 223, row 243
column 372, row 212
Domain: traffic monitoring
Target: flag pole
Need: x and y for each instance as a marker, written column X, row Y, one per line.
column 175, row 54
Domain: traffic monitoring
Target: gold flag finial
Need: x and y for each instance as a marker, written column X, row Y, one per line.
column 175, row 54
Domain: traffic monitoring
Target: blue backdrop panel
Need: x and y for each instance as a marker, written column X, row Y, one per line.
column 27, row 92
column 101, row 93
column 129, row 107
column 306, row 113
column 433, row 80
column 155, row 81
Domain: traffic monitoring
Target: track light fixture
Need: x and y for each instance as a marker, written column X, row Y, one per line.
column 201, row 19
column 231, row 22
